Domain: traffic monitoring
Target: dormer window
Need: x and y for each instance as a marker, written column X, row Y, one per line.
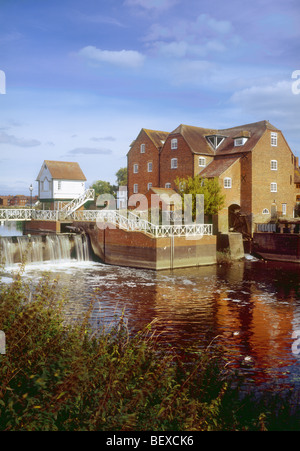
column 240, row 141
column 215, row 140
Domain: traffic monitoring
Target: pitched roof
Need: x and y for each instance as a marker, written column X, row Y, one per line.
column 157, row 137
column 218, row 166
column 64, row 170
column 196, row 137
column 255, row 130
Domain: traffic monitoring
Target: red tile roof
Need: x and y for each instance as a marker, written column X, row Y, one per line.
column 218, row 166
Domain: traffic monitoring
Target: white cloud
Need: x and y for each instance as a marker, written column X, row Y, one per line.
column 274, row 102
column 105, row 138
column 203, row 36
column 152, row 4
column 277, row 97
column 218, row 26
column 5, row 138
column 89, row 151
column 124, row 58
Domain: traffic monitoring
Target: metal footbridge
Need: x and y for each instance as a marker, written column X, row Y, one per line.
column 105, row 218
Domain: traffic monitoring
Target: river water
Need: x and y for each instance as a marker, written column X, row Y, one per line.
column 251, row 307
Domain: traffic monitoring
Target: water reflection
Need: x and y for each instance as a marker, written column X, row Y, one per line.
column 253, row 307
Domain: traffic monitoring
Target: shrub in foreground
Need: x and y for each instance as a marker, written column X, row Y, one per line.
column 60, row 377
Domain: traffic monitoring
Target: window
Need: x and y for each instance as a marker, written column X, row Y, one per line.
column 174, row 144
column 266, row 211
column 240, row 141
column 283, row 209
column 227, row 182
column 174, row 164
column 150, row 166
column 135, row 168
column 273, row 187
column 202, row 161
column 274, row 139
column 135, row 188
column 168, row 185
column 149, row 186
column 215, row 140
column 143, row 148
column 273, row 165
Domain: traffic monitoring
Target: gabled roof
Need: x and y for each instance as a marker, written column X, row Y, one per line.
column 218, row 166
column 63, row 170
column 157, row 137
column 196, row 137
column 254, row 131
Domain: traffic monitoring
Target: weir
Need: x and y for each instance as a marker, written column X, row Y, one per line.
column 40, row 248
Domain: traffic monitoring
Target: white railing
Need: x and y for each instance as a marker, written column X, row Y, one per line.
column 109, row 217
column 72, row 206
column 15, row 214
column 134, row 223
column 45, row 215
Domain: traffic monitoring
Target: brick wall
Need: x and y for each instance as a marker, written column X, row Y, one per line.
column 232, row 195
column 185, row 161
column 151, row 155
column 263, row 176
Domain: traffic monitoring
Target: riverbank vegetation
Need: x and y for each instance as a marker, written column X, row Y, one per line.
column 61, row 377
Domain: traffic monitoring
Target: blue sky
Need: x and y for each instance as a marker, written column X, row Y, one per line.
column 83, row 77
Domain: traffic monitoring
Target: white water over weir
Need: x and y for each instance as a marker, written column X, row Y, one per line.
column 42, row 248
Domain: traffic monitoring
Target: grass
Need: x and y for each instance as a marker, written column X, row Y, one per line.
column 59, row 377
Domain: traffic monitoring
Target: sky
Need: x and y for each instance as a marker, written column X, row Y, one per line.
column 80, row 79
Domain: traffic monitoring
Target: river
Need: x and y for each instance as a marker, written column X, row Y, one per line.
column 251, row 307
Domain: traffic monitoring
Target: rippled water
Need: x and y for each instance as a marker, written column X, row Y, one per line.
column 252, row 307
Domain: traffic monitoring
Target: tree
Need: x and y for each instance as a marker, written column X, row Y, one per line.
column 122, row 177
column 210, row 188
column 100, row 187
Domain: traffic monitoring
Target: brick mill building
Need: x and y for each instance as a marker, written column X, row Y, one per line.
column 256, row 169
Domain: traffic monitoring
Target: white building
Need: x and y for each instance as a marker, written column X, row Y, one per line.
column 60, row 181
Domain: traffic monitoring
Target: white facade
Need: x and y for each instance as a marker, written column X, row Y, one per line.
column 51, row 188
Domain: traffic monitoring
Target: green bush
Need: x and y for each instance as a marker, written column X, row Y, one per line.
column 60, row 377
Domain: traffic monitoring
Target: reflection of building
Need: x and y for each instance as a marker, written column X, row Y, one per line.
column 253, row 163
column 297, row 185
column 60, row 181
